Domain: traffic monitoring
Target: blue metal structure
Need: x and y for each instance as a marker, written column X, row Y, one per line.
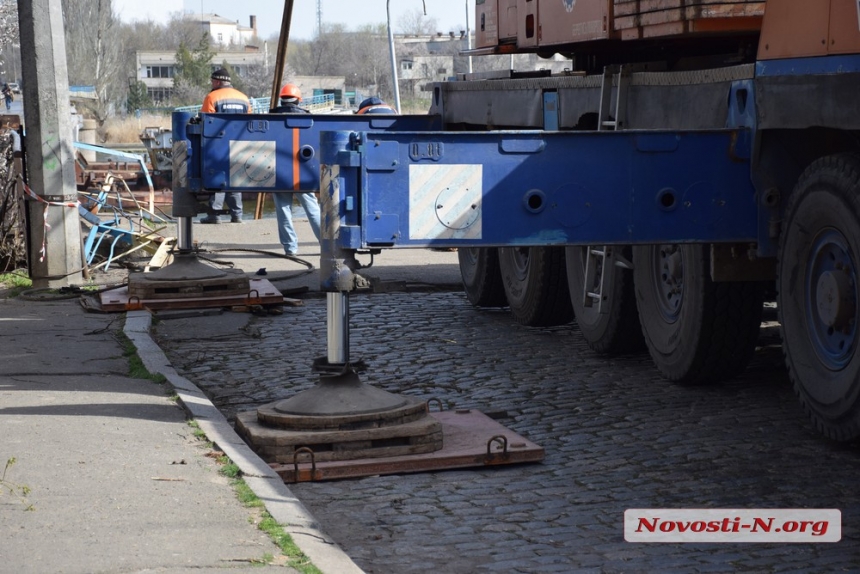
column 415, row 185
column 270, row 152
column 726, row 174
column 548, row 188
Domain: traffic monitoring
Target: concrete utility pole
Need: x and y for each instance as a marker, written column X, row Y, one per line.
column 55, row 234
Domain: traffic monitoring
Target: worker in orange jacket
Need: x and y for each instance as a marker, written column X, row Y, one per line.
column 224, row 98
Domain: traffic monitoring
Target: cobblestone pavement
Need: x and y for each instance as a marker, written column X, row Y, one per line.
column 616, row 436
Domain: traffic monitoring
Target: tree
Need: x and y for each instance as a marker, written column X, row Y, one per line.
column 237, row 81
column 415, row 23
column 371, row 60
column 257, row 80
column 361, row 57
column 322, row 55
column 94, row 52
column 137, row 97
column 193, row 71
column 180, row 29
column 11, row 52
column 13, row 251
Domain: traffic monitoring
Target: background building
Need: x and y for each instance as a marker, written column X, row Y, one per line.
column 156, row 69
column 225, row 32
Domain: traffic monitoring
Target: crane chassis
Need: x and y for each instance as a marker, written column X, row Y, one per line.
column 659, row 207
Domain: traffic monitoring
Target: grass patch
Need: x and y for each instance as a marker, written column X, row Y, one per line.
column 198, row 432
column 15, row 283
column 246, row 495
column 229, row 468
column 128, row 130
column 19, row 490
column 294, row 557
column 136, row 368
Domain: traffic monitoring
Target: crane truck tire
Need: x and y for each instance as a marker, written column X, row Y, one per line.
column 817, row 293
column 482, row 281
column 697, row 331
column 616, row 329
column 535, row 282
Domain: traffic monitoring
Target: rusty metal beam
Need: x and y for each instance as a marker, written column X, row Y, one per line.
column 281, row 59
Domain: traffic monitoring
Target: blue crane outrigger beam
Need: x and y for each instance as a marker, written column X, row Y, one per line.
column 257, row 153
column 518, row 188
column 270, row 152
column 417, row 186
column 401, row 182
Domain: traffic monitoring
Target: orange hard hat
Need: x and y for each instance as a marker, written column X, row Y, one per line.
column 291, row 91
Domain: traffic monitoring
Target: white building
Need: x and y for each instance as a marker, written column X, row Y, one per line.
column 156, row 69
column 225, row 32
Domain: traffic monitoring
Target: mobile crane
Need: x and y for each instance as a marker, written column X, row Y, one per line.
column 700, row 155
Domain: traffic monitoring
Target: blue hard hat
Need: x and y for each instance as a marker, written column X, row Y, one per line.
column 372, row 101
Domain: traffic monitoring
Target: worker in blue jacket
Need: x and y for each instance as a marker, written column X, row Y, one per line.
column 374, row 105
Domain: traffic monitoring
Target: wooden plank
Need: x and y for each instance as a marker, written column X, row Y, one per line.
column 654, row 19
column 661, row 17
column 714, row 25
column 162, row 255
column 639, row 6
column 725, row 11
column 667, row 29
column 467, row 436
column 642, row 6
column 280, row 445
column 631, row 33
column 119, row 300
column 625, row 22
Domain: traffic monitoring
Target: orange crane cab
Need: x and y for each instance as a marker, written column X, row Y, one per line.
column 808, row 28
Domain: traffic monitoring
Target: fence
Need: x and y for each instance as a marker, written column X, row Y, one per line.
column 262, row 105
column 83, row 92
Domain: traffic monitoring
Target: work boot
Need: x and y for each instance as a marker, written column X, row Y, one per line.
column 210, row 219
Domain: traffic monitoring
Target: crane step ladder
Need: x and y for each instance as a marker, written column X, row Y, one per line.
column 599, row 260
column 619, row 76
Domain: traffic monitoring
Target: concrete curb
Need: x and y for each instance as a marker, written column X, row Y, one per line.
column 261, row 479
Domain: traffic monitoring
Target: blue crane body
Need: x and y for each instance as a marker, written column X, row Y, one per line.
column 473, row 189
column 268, row 152
column 659, row 205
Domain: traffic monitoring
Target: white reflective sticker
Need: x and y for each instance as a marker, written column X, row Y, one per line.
column 252, row 163
column 445, row 201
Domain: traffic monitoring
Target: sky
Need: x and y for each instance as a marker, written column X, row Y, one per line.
column 449, row 14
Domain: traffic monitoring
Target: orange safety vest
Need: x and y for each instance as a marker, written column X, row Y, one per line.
column 226, row 100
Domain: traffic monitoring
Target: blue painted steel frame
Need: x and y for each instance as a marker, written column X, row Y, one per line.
column 549, row 188
column 216, row 131
column 840, row 64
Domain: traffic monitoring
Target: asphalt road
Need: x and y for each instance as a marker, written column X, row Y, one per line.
column 616, row 435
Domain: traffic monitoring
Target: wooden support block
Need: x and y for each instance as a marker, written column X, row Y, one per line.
column 162, row 255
